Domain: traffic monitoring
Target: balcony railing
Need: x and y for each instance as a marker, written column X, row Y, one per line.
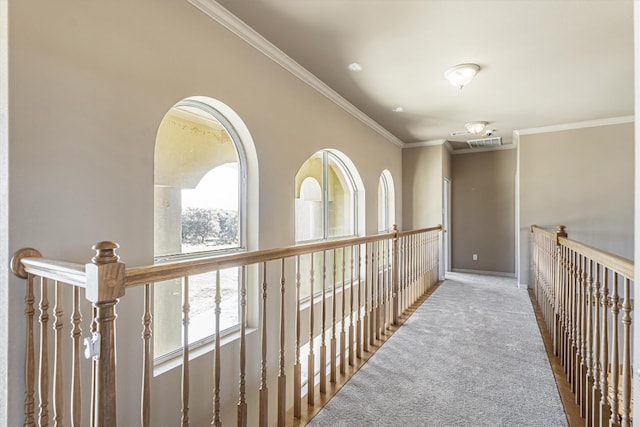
column 381, row 277
column 585, row 295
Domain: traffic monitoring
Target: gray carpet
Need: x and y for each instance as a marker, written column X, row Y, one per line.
column 471, row 355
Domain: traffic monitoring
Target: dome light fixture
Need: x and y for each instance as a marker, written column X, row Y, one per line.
column 475, row 128
column 354, row 67
column 460, row 75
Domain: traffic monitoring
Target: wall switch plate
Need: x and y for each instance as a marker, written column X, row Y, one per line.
column 475, row 257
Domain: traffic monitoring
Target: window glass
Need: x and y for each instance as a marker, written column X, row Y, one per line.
column 199, row 190
column 325, row 208
column 386, row 202
column 309, row 211
column 383, row 205
column 341, row 200
column 210, row 217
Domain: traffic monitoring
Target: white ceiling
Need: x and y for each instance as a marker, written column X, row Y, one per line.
column 543, row 62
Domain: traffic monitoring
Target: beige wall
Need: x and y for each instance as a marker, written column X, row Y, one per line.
column 483, row 211
column 422, row 174
column 580, row 178
column 89, row 84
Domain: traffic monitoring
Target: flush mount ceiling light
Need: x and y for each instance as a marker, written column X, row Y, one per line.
column 475, row 128
column 355, row 67
column 461, row 75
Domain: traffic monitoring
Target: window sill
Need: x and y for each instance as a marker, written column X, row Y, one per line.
column 160, row 368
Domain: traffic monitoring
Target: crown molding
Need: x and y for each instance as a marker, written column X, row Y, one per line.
column 576, row 125
column 430, row 143
column 448, row 146
column 238, row 27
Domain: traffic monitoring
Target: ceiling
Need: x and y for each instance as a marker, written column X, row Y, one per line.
column 543, row 63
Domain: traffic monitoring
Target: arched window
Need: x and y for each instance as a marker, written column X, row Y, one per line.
column 328, row 191
column 326, row 198
column 200, row 188
column 386, row 202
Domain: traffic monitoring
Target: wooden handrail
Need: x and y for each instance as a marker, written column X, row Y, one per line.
column 398, row 268
column 535, row 229
column 619, row 264
column 29, row 261
column 418, row 231
column 74, row 274
column 137, row 276
column 66, row 272
column 584, row 294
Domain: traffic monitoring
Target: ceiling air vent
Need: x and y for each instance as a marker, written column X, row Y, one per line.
column 485, row 142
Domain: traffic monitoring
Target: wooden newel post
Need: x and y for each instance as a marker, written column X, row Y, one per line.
column 396, row 276
column 105, row 284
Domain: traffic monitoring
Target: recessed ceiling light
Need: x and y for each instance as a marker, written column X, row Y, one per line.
column 398, row 110
column 355, row 67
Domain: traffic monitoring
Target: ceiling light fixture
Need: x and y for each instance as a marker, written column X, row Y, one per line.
column 355, row 67
column 475, row 128
column 461, row 75
column 398, row 110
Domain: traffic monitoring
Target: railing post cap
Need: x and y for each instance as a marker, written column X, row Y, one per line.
column 105, row 274
column 105, row 252
column 561, row 230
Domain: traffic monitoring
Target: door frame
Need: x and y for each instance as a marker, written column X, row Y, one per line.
column 445, row 261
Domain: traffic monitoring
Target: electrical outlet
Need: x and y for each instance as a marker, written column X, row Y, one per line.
column 475, row 257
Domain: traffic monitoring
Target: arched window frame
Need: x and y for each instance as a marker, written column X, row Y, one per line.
column 386, row 202
column 345, row 173
column 248, row 196
column 242, row 187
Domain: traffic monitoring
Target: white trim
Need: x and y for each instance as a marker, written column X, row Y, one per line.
column 516, row 138
column 448, row 146
column 5, row 276
column 164, row 364
column 576, row 125
column 516, row 231
column 636, row 286
column 446, row 228
column 484, row 149
column 232, row 23
column 484, row 272
column 430, row 143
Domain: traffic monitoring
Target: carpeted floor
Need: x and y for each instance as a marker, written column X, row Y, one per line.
column 471, row 355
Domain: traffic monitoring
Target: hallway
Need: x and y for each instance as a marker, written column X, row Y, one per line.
column 471, row 355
